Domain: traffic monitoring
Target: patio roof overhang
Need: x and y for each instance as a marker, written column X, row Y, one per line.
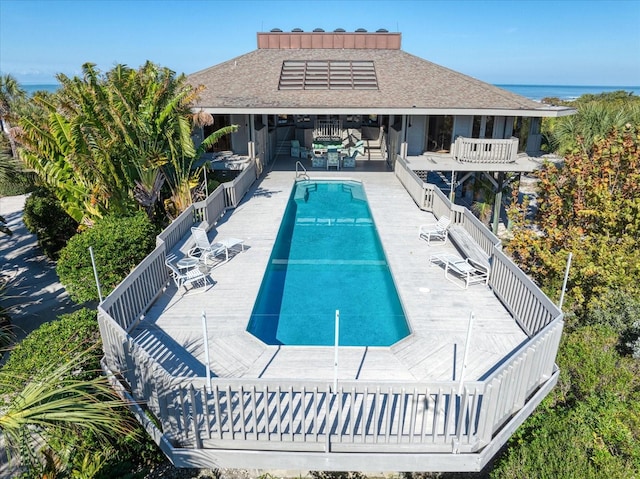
column 550, row 112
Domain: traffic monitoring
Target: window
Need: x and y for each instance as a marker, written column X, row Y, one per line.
column 328, row 75
column 482, row 127
column 439, row 135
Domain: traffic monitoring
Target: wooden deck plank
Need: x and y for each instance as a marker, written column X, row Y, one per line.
column 437, row 310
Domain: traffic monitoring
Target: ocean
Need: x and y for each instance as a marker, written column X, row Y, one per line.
column 533, row 92
column 564, row 92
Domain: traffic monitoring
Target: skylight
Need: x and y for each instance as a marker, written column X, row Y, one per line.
column 328, row 75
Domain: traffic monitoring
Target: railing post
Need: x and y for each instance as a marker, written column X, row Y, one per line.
column 207, row 363
column 335, row 354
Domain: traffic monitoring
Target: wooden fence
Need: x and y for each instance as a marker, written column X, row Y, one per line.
column 383, row 418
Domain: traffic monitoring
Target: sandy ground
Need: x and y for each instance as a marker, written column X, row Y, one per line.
column 34, row 294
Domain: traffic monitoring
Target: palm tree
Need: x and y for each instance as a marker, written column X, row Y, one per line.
column 182, row 176
column 56, row 402
column 593, row 121
column 107, row 141
column 10, row 94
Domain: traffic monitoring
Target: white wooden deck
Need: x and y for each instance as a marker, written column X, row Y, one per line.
column 437, row 310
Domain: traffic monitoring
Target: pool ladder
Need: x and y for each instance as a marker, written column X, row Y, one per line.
column 301, row 171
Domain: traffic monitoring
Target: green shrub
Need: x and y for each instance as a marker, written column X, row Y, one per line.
column 590, row 363
column 44, row 217
column 589, row 426
column 53, row 343
column 119, row 244
column 617, row 309
column 21, row 184
column 597, row 438
column 14, row 180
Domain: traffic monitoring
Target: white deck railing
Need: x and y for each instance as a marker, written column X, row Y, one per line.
column 485, row 150
column 387, row 420
column 382, row 417
column 328, row 129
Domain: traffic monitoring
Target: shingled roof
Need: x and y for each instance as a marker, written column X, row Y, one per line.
column 406, row 84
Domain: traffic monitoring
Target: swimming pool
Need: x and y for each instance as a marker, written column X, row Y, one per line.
column 327, row 257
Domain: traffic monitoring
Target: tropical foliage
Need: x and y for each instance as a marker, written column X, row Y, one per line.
column 119, row 245
column 107, row 143
column 598, row 116
column 59, row 413
column 588, row 206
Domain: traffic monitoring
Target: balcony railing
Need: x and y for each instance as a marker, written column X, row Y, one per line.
column 484, row 150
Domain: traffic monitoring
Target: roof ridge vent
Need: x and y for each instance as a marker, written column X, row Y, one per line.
column 338, row 39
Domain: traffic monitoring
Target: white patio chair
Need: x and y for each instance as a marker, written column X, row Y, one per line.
column 439, row 230
column 193, row 276
column 203, row 247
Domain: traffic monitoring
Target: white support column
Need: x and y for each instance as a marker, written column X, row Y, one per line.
column 251, row 147
column 403, row 134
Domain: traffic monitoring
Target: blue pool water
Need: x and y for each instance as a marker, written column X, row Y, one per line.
column 327, row 257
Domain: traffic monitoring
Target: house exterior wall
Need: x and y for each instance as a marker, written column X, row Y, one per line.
column 534, row 139
column 498, row 127
column 416, row 126
column 462, row 126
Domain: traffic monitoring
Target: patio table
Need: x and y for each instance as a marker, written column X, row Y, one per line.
column 187, row 263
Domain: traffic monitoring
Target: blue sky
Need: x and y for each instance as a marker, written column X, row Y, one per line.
column 503, row 42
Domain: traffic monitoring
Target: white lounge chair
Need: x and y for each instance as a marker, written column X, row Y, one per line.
column 468, row 270
column 439, row 230
column 181, row 277
column 208, row 251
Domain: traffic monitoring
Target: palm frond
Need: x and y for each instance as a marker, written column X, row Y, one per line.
column 55, row 401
